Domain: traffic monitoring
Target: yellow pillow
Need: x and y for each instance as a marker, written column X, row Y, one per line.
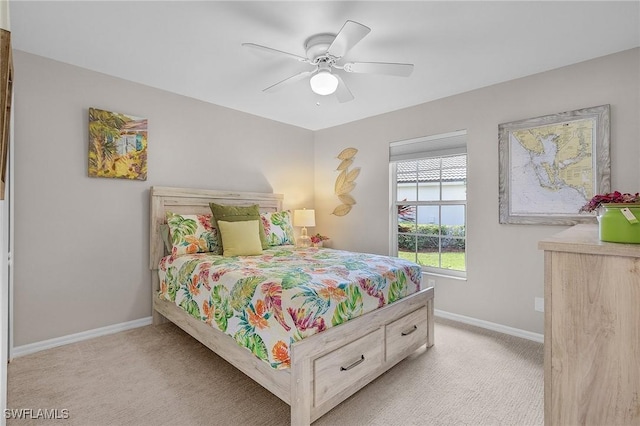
column 240, row 238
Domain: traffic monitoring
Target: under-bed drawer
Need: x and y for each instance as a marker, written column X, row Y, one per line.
column 407, row 334
column 342, row 368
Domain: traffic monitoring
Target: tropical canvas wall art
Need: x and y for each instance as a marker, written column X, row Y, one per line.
column 117, row 145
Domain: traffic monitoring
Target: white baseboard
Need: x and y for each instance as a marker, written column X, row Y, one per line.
column 536, row 337
column 78, row 337
column 103, row 331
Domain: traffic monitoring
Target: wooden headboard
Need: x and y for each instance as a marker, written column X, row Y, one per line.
column 193, row 201
column 196, row 201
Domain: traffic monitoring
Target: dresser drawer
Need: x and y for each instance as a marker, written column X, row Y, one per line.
column 407, row 334
column 344, row 367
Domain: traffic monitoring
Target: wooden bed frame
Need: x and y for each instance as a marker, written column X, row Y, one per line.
column 323, row 372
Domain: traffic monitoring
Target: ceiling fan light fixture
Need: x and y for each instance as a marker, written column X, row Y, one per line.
column 325, row 51
column 323, row 82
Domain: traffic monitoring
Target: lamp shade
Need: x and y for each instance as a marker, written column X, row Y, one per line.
column 323, row 82
column 304, row 217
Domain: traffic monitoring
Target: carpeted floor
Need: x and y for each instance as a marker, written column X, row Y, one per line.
column 158, row 375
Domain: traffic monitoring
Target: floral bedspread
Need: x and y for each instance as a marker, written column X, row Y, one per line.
column 269, row 301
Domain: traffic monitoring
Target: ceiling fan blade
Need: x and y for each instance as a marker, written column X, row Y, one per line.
column 276, row 51
column 294, row 78
column 401, row 70
column 350, row 34
column 342, row 92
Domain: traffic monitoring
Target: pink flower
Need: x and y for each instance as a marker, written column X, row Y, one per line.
column 611, row 197
column 315, row 239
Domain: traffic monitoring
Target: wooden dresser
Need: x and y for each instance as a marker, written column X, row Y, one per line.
column 592, row 330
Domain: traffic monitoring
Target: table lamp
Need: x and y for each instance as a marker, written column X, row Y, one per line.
column 304, row 218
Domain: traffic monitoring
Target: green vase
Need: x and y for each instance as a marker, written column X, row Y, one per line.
column 615, row 227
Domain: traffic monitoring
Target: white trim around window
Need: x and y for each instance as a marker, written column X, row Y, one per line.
column 432, row 189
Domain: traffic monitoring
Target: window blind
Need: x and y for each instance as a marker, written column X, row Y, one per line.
column 453, row 143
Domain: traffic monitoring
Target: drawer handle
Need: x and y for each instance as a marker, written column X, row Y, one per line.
column 360, row 361
column 406, row 333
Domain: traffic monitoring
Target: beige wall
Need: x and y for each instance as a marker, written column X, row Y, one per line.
column 505, row 268
column 81, row 244
column 4, row 15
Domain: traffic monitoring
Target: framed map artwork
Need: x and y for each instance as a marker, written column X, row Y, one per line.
column 551, row 166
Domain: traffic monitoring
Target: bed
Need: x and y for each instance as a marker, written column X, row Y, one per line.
column 325, row 364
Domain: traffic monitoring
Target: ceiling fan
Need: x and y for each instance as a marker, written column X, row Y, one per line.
column 325, row 52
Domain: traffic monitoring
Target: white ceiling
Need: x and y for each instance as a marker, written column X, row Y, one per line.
column 194, row 48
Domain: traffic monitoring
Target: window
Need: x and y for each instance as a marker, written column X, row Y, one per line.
column 429, row 202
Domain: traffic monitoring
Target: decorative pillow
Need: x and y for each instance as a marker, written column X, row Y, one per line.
column 237, row 214
column 192, row 234
column 166, row 238
column 240, row 238
column 278, row 228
